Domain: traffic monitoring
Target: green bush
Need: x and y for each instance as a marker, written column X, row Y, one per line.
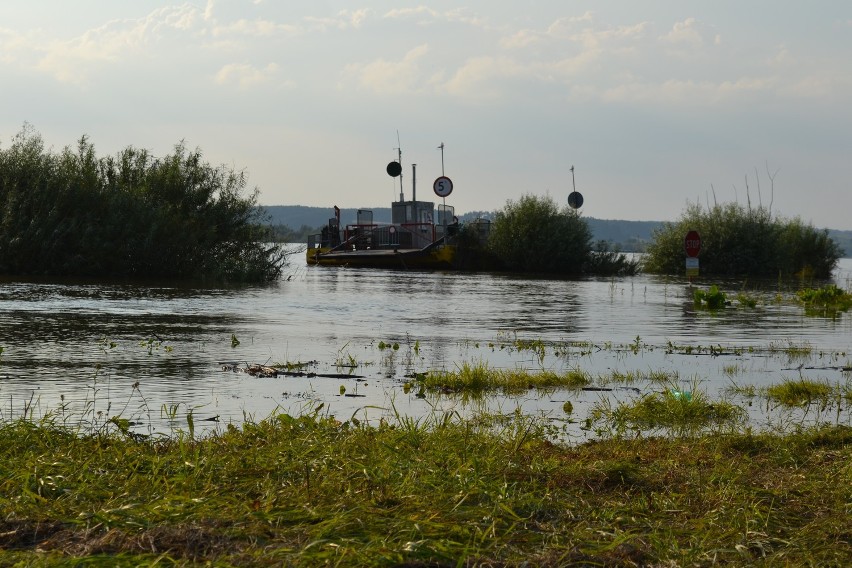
column 827, row 300
column 740, row 241
column 712, row 299
column 533, row 235
column 129, row 215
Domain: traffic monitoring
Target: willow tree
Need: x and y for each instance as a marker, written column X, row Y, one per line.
column 128, row 215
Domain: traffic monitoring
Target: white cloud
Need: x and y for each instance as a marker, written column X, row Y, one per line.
column 73, row 61
column 343, row 20
column 427, row 16
column 245, row 76
column 476, row 77
column 391, row 77
column 398, row 13
column 685, row 32
column 253, row 28
column 693, row 93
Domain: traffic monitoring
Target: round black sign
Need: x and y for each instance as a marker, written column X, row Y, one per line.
column 575, row 199
column 394, row 169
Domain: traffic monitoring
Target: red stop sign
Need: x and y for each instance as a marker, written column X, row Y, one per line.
column 692, row 244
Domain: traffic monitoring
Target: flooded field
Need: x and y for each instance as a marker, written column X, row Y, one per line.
column 354, row 341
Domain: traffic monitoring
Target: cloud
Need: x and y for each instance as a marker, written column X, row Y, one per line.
column 428, row 16
column 400, row 13
column 245, row 76
column 73, row 61
column 343, row 20
column 685, row 32
column 687, row 92
column 391, row 77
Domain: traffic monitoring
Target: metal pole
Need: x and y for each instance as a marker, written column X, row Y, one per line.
column 441, row 147
column 414, row 182
column 401, row 190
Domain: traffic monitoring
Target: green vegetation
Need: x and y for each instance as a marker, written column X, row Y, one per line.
column 533, row 235
column 712, row 299
column 801, row 392
column 825, row 301
column 489, row 491
column 673, row 411
column 745, row 242
column 479, row 379
column 128, row 215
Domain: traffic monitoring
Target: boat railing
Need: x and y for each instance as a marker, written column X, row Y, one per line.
column 379, row 236
column 423, row 234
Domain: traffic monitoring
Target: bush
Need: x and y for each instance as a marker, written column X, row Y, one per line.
column 712, row 299
column 533, row 235
column 739, row 241
column 131, row 215
column 606, row 262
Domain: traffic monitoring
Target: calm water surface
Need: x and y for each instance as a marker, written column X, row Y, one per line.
column 153, row 353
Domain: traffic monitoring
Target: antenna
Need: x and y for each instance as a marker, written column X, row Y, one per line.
column 399, row 154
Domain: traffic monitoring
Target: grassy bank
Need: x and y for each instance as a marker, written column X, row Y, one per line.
column 489, row 491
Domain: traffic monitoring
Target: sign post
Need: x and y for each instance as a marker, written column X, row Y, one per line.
column 692, row 246
column 443, row 186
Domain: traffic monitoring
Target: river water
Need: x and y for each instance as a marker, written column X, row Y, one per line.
column 155, row 353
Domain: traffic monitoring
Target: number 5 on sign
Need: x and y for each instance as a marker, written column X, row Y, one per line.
column 443, row 186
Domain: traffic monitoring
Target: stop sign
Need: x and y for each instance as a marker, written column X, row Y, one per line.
column 692, row 244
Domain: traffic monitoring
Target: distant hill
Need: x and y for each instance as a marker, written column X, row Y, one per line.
column 623, row 235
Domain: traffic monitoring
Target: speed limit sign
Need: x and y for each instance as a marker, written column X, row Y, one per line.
column 443, row 186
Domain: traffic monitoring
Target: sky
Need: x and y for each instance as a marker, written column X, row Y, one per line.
column 655, row 104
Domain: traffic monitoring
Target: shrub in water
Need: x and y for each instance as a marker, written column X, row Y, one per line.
column 533, row 235
column 743, row 241
column 712, row 299
column 129, row 215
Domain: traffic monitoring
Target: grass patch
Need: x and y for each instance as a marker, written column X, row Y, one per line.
column 792, row 350
column 746, row 300
column 826, row 301
column 315, row 491
column 800, row 392
column 630, row 377
column 673, row 411
column 480, row 378
column 745, row 391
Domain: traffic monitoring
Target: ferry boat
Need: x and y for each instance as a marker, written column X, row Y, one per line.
column 416, row 238
column 419, row 236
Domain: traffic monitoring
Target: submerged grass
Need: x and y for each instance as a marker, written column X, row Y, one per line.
column 672, row 411
column 443, row 491
column 799, row 392
column 479, row 378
